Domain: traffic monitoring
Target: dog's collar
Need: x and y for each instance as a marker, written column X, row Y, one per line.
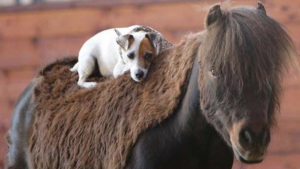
column 120, row 52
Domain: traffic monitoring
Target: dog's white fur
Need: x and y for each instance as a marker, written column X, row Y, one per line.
column 104, row 48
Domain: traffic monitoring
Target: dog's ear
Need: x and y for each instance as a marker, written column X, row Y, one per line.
column 118, row 32
column 156, row 40
column 213, row 15
column 123, row 41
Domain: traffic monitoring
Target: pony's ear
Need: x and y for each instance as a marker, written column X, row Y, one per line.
column 123, row 40
column 155, row 39
column 261, row 8
column 213, row 15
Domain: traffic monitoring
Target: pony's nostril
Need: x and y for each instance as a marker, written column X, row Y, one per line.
column 245, row 137
column 248, row 137
column 139, row 74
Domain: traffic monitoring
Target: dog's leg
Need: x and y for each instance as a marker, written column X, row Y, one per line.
column 125, row 69
column 118, row 69
column 74, row 68
column 85, row 68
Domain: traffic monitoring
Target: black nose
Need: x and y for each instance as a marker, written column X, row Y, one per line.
column 248, row 137
column 139, row 74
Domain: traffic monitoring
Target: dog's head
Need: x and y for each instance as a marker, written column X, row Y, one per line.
column 138, row 51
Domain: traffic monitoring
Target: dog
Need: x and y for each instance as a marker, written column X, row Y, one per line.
column 117, row 51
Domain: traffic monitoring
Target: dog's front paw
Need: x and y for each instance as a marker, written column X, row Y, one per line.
column 88, row 84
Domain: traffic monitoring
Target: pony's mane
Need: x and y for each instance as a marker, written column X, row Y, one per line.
column 247, row 48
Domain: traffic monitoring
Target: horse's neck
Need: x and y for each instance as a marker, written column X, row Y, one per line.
column 189, row 114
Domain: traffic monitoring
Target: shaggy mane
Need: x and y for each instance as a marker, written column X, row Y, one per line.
column 231, row 51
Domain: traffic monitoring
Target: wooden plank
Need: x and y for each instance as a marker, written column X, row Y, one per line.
column 3, row 84
column 15, row 25
column 86, row 4
column 75, row 22
column 5, row 114
column 49, row 24
column 17, row 80
column 3, row 147
column 55, row 48
column 18, row 53
column 3, row 78
column 163, row 17
column 286, row 11
column 293, row 30
column 290, row 103
column 20, row 75
column 284, row 138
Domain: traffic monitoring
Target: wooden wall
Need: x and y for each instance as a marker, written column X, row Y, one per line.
column 31, row 37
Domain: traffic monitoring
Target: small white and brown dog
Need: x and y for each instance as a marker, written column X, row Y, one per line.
column 117, row 51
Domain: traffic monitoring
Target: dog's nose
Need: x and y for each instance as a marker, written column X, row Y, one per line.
column 139, row 74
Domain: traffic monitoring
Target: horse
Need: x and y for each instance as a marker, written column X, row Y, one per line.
column 229, row 103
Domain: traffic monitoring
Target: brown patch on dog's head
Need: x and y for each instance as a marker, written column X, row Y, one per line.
column 147, row 53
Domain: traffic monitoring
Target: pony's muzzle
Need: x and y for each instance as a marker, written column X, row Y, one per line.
column 250, row 138
column 250, row 142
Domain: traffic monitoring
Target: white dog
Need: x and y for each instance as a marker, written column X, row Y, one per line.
column 116, row 51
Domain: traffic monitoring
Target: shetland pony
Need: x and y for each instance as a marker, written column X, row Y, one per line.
column 229, row 104
column 241, row 61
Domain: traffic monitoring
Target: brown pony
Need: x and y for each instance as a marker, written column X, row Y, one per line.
column 236, row 75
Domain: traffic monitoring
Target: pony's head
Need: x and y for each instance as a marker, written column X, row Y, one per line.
column 241, row 59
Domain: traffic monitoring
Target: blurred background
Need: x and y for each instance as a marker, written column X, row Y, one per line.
column 34, row 33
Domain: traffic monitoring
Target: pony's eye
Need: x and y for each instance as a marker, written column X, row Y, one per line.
column 215, row 73
column 131, row 55
column 148, row 56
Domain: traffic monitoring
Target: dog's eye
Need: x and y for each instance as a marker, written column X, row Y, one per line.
column 131, row 55
column 214, row 73
column 148, row 56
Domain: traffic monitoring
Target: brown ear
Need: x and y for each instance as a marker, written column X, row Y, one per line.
column 123, row 40
column 261, row 8
column 213, row 15
column 156, row 40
